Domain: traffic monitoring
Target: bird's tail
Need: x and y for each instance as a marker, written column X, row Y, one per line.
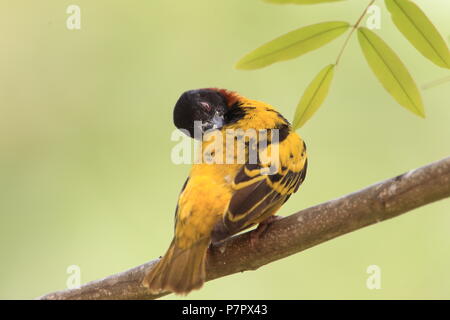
column 181, row 270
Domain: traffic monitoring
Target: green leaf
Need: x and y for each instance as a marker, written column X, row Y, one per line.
column 300, row 1
column 420, row 31
column 293, row 44
column 390, row 71
column 313, row 96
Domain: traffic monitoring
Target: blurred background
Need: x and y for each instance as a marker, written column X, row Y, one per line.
column 86, row 176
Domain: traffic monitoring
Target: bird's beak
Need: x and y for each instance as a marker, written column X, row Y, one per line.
column 217, row 121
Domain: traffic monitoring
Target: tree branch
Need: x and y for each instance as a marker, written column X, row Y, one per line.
column 294, row 233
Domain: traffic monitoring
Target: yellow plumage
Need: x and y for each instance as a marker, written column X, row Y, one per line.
column 219, row 200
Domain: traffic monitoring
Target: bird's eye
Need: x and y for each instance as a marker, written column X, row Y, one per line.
column 205, row 106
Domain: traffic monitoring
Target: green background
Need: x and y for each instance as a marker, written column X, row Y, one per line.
column 86, row 176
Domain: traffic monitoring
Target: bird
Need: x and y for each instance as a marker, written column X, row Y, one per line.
column 221, row 199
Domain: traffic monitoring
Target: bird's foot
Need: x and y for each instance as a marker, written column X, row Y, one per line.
column 261, row 229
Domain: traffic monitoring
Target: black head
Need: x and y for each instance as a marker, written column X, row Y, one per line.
column 198, row 111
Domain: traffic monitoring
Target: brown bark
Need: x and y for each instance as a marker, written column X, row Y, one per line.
column 294, row 233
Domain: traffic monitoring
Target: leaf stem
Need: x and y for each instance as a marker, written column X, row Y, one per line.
column 355, row 26
column 436, row 83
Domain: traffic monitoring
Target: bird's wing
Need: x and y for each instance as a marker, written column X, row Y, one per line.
column 257, row 196
column 178, row 203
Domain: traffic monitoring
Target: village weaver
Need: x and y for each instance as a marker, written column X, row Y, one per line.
column 222, row 199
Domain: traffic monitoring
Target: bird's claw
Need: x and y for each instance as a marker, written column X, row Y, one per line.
column 261, row 229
